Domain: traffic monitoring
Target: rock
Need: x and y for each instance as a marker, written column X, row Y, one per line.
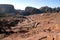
column 6, row 8
column 46, row 9
column 56, row 10
column 32, row 10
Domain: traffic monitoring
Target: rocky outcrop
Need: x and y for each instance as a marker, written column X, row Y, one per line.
column 32, row 10
column 47, row 9
column 56, row 10
column 6, row 8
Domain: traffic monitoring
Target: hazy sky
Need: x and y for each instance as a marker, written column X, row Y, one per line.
column 21, row 4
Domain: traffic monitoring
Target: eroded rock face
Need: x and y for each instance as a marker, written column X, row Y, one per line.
column 46, row 9
column 32, row 10
column 6, row 8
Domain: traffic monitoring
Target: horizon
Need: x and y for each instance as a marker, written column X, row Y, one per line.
column 21, row 4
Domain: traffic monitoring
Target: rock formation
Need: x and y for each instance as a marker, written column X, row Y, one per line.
column 7, row 8
column 32, row 10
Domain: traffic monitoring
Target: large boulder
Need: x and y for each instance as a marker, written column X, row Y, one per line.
column 32, row 10
column 6, row 8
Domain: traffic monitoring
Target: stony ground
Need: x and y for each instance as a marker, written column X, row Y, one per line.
column 44, row 26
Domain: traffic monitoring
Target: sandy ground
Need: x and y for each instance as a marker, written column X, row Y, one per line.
column 47, row 29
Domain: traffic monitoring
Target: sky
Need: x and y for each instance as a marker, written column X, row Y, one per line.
column 21, row 4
